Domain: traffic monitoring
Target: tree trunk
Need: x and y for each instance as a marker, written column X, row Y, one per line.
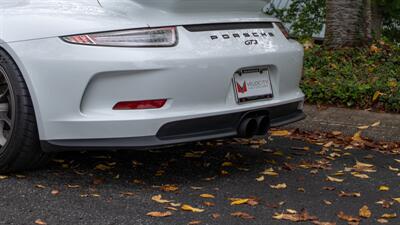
column 345, row 23
column 377, row 20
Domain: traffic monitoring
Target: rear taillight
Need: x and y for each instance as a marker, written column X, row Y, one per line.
column 283, row 29
column 145, row 104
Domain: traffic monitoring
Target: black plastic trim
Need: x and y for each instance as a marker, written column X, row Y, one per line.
column 228, row 26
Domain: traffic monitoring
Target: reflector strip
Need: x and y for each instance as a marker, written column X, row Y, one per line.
column 145, row 104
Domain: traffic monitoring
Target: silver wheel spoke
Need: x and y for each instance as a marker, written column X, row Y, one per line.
column 6, row 108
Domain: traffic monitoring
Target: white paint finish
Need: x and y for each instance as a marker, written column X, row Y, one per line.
column 74, row 87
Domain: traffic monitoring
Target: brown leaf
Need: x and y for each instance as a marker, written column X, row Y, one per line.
column 73, row 186
column 3, row 177
column 252, row 202
column 242, row 215
column 169, row 188
column 40, row 222
column 159, row 214
column 329, row 188
column 40, row 186
column 209, row 204
column 127, row 193
column 215, row 216
column 333, row 179
column 280, row 133
column 348, row 218
column 323, row 223
column 103, row 167
column 295, row 217
column 195, row 222
column 327, row 202
column 186, row 207
column 365, row 212
column 350, row 194
column 380, row 220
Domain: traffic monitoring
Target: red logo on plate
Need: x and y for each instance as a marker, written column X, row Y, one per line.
column 241, row 89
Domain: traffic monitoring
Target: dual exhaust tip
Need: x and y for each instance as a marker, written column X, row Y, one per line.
column 256, row 125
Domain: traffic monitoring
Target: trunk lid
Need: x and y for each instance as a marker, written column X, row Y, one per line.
column 182, row 12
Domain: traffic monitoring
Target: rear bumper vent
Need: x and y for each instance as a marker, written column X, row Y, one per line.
column 228, row 26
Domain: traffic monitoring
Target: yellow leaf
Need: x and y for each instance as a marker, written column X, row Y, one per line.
column 376, row 95
column 365, row 212
column 359, row 175
column 280, row 133
column 260, row 179
column 240, row 201
column 159, row 214
column 384, row 188
column 158, row 198
column 226, row 164
column 394, row 169
column 269, row 172
column 357, row 136
column 279, row 186
column 333, row 179
column 3, row 177
column 169, row 188
column 186, row 207
column 389, row 215
column 207, row 196
column 397, row 160
column 397, row 199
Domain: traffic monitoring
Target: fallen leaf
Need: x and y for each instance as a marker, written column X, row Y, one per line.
column 209, row 204
column 55, row 192
column 103, row 167
column 186, row 207
column 280, row 133
column 336, row 133
column 329, row 188
column 327, row 202
column 227, row 164
column 279, row 186
column 207, row 196
column 260, row 179
column 365, row 212
column 242, row 215
column 175, row 204
column 3, row 177
column 40, row 186
column 159, row 214
column 377, row 94
column 269, row 172
column 357, row 137
column 397, row 200
column 295, row 217
column 239, row 201
column 127, row 193
column 215, row 216
column 40, row 222
column 158, row 198
column 359, row 175
column 376, row 124
column 394, row 169
column 73, row 186
column 383, row 188
column 348, row 218
column 195, row 222
column 382, row 220
column 363, row 127
column 333, row 179
column 389, row 215
column 397, row 160
column 351, row 194
column 169, row 188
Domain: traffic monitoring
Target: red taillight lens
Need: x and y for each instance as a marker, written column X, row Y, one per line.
column 283, row 30
column 146, row 104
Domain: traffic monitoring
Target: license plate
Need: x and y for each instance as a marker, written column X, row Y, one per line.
column 251, row 85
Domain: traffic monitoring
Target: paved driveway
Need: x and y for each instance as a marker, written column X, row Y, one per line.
column 292, row 176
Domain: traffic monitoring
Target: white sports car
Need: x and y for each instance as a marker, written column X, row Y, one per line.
column 140, row 73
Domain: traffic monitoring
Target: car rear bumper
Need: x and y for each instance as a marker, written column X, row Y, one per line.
column 74, row 87
column 191, row 130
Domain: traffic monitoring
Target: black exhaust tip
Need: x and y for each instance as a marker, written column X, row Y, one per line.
column 248, row 128
column 263, row 125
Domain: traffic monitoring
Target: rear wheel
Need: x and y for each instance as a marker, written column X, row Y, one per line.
column 19, row 139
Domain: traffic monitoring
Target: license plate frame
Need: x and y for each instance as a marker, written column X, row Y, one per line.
column 252, row 85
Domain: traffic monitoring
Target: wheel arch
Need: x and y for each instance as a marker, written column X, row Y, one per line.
column 25, row 74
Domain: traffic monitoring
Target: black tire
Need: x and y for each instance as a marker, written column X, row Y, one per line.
column 22, row 149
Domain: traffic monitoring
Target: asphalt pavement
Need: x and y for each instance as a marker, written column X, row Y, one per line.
column 283, row 176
